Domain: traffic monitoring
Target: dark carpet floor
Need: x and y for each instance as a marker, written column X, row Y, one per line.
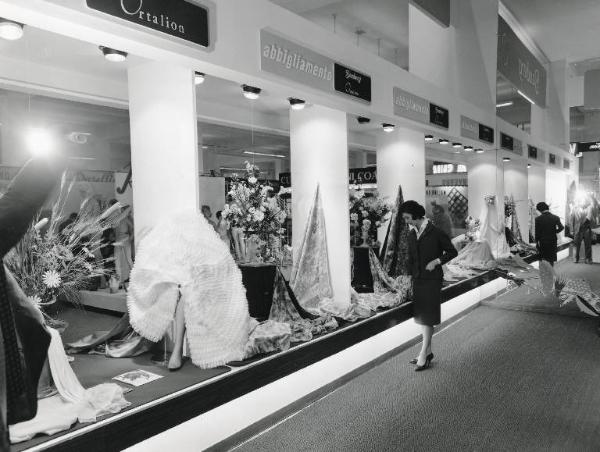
column 501, row 380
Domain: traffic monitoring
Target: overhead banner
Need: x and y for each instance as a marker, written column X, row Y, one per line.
column 411, row 106
column 286, row 59
column 519, row 65
column 180, row 18
column 469, row 128
column 366, row 175
column 590, row 146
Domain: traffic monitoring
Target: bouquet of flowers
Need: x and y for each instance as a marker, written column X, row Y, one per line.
column 509, row 206
column 257, row 210
column 368, row 211
column 49, row 262
column 473, row 225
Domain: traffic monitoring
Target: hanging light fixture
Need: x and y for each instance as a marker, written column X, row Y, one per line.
column 506, row 159
column 296, row 104
column 444, row 141
column 388, row 127
column 468, row 148
column 456, row 145
column 479, row 151
column 113, row 55
column 10, row 30
column 428, row 138
column 199, row 78
column 528, row 165
column 251, row 92
column 363, row 120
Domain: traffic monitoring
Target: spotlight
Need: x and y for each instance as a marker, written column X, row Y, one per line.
column 388, row 127
column 198, row 78
column 9, row 30
column 251, row 92
column 296, row 104
column 456, row 145
column 528, row 165
column 479, row 151
column 504, row 104
column 443, row 141
column 40, row 142
column 112, row 55
column 468, row 148
column 506, row 159
column 428, row 137
column 363, row 120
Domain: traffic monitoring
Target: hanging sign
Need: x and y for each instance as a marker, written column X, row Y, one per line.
column 519, row 65
column 284, row 58
column 439, row 116
column 285, row 179
column 351, row 82
column 506, row 141
column 470, row 128
column 532, row 151
column 366, row 175
column 552, row 159
column 586, row 147
column 410, row 106
column 180, row 18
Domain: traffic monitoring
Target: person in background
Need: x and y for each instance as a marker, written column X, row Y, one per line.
column 547, row 225
column 581, row 228
column 208, row 214
column 441, row 219
column 223, row 229
column 428, row 249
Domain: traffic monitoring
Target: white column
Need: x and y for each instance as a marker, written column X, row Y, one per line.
column 516, row 185
column 319, row 155
column 485, row 177
column 536, row 184
column 164, row 149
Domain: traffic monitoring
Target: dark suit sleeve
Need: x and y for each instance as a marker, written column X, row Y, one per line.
column 412, row 251
column 559, row 226
column 448, row 250
column 537, row 228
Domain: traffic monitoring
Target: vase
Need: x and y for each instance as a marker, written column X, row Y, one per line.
column 365, row 237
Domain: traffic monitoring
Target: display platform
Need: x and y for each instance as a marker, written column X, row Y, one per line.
column 190, row 392
column 103, row 299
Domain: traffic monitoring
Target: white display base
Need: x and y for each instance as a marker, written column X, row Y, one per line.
column 596, row 253
column 103, row 299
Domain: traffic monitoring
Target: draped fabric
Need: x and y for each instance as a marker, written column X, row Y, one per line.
column 394, row 253
column 23, row 339
column 183, row 260
column 492, row 231
column 120, row 342
column 311, row 278
column 72, row 403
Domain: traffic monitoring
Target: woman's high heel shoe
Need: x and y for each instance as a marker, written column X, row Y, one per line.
column 426, row 365
column 414, row 360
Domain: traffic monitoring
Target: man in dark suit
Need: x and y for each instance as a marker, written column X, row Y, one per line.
column 547, row 225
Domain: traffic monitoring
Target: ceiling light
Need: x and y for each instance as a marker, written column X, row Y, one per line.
column 525, row 97
column 504, row 104
column 506, row 159
column 388, row 127
column 363, row 120
column 443, row 141
column 279, row 156
column 479, row 151
column 40, row 142
column 528, row 165
column 9, row 30
column 112, row 55
column 296, row 104
column 428, row 137
column 456, row 145
column 468, row 148
column 251, row 92
column 198, row 77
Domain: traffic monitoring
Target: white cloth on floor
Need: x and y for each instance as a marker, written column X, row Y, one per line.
column 72, row 403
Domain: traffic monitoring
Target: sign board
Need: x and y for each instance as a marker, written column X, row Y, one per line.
column 519, row 65
column 285, row 179
column 552, row 159
column 470, row 128
column 287, row 59
column 439, row 116
column 532, row 152
column 352, row 83
column 590, row 146
column 366, row 175
column 180, row 18
column 486, row 134
column 506, row 141
column 410, row 106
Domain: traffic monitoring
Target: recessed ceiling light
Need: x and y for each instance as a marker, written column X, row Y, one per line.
column 296, row 104
column 428, row 137
column 478, row 151
column 443, row 141
column 506, row 159
column 456, row 145
column 10, row 30
column 113, row 55
column 198, row 77
column 504, row 104
column 528, row 165
column 251, row 92
column 468, row 148
column 388, row 127
column 363, row 120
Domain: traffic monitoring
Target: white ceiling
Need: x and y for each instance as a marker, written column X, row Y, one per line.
column 562, row 29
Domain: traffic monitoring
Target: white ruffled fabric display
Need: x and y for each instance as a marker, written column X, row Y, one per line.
column 72, row 403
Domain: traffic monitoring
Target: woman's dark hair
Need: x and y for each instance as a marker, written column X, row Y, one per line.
column 416, row 210
column 218, row 214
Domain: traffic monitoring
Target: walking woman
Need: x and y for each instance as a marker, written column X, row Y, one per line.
column 429, row 249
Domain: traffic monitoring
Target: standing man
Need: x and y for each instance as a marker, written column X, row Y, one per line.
column 581, row 227
column 547, row 225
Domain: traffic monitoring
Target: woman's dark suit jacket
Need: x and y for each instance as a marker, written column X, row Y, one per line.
column 432, row 244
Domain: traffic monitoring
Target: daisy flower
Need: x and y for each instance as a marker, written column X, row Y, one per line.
column 52, row 279
column 35, row 300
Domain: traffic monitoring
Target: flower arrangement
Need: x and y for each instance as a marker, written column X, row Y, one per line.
column 509, row 206
column 55, row 259
column 473, row 225
column 257, row 210
column 368, row 211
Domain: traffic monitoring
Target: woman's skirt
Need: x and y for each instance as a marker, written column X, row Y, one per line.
column 427, row 301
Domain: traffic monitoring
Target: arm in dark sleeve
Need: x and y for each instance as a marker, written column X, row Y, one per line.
column 559, row 226
column 537, row 229
column 448, row 250
column 24, row 197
